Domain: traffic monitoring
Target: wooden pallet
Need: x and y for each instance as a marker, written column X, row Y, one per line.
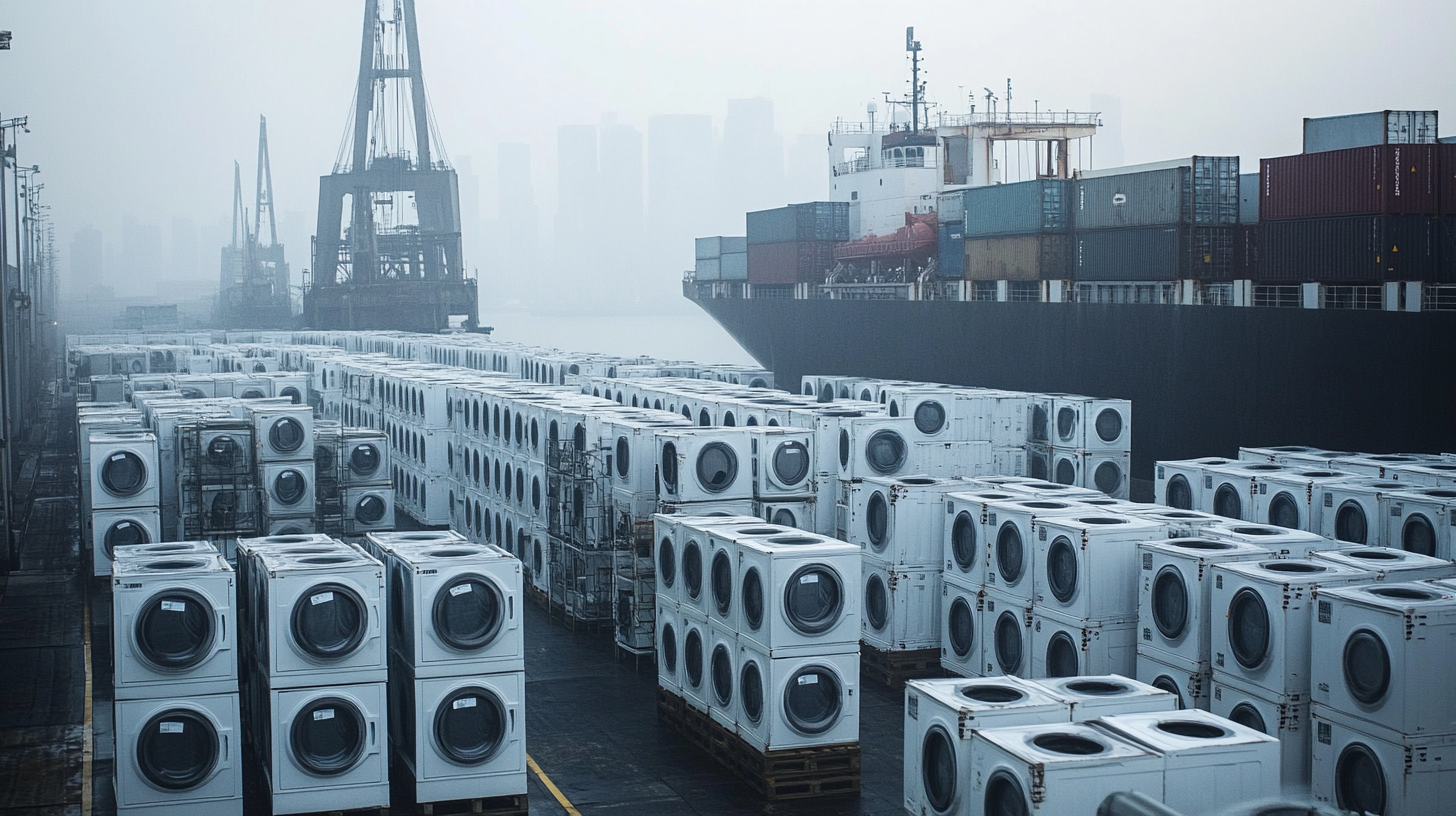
column 894, row 668
column 403, row 792
column 792, row 773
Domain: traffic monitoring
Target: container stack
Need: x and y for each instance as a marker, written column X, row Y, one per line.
column 795, row 244
column 1010, row 231
column 721, row 258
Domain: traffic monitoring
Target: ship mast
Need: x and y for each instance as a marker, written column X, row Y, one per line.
column 912, row 45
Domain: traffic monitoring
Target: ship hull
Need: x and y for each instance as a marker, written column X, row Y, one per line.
column 1203, row 380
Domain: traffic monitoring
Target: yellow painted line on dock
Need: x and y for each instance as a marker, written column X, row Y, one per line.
column 87, row 754
column 551, row 786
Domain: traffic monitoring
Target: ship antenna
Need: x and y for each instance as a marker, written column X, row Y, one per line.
column 913, row 46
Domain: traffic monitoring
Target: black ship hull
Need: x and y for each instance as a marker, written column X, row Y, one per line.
column 1203, row 380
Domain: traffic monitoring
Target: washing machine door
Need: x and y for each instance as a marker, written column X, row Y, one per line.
column 175, row 629
column 1351, row 524
column 123, row 474
column 1283, row 511
column 1062, row 659
column 961, row 626
column 177, row 750
column 963, row 541
column 1360, row 784
column 1005, row 796
column 716, row 467
column 328, row 736
column 1010, row 553
column 938, row 769
column 286, row 435
column 790, row 463
column 1248, row 628
column 1178, row 493
column 1418, row 535
column 364, row 460
column 124, row 533
column 813, row 700
column 289, row 487
column 885, row 452
column 1170, row 602
column 666, row 563
column 1008, row 644
column 468, row 612
column 370, row 510
column 223, row 452
column 877, row 520
column 329, row 621
column 1247, row 715
column 470, row 725
column 1061, row 568
column 876, row 602
column 814, row 599
column 721, row 580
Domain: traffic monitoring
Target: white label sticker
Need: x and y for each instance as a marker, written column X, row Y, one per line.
column 171, row 728
column 118, row 457
column 174, row 606
column 464, row 702
column 322, row 597
column 811, row 578
column 460, row 590
column 808, row 679
column 323, row 714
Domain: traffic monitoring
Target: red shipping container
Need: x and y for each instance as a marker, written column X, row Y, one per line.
column 790, row 262
column 1379, row 180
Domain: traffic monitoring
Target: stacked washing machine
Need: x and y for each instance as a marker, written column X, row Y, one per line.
column 328, row 437
column 366, row 494
column 785, row 479
column 457, row 670
column 217, row 481
column 1083, row 441
column 122, row 500
column 284, row 451
column 177, row 718
column 313, row 637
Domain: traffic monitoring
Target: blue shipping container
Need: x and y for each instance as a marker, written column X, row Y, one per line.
column 812, row 221
column 1204, row 192
column 1024, row 208
column 734, row 265
column 952, row 262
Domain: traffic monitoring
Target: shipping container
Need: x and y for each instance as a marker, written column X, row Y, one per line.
column 1018, row 257
column 1446, row 187
column 813, row 221
column 1202, row 191
column 1246, row 251
column 790, row 262
column 1154, row 254
column 1248, row 198
column 1380, row 180
column 734, row 265
column 1024, row 208
column 1369, row 129
column 719, row 245
column 952, row 258
column 1354, row 249
column 707, row 269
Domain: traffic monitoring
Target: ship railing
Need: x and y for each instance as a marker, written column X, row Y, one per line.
column 867, row 163
column 1046, row 118
column 843, row 128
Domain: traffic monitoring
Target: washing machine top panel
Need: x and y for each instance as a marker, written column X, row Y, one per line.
column 1407, row 598
column 308, row 557
column 1064, row 744
column 1269, row 536
column 1182, row 732
column 797, row 544
column 1294, row 572
column 1204, row 550
column 979, row 698
column 387, row 541
column 263, row 544
column 1092, row 691
column 165, row 549
column 170, row 566
column 1390, row 564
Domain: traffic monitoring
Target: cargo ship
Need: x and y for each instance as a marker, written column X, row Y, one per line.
column 1327, row 319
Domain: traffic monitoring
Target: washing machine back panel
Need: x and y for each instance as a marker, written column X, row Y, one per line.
column 1175, row 592
column 179, row 755
column 900, row 610
column 1356, row 768
column 1087, row 564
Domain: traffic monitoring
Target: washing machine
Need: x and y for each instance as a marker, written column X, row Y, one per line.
column 899, row 520
column 901, row 606
column 1384, row 653
column 455, row 608
column 960, row 628
column 1040, row 413
column 799, row 593
column 1011, row 548
column 122, row 527
column 364, row 456
column 1428, row 474
column 797, row 702
column 1090, row 424
column 1072, row 647
column 319, row 615
column 1209, row 762
column 166, row 548
column 174, row 631
column 1356, row 510
column 1087, row 564
column 1421, row 521
column 1379, row 465
column 289, row 385
column 380, row 544
column 783, row 463
column 1389, row 565
column 1293, row 499
column 1104, row 471
column 1091, row 697
column 283, row 433
column 941, row 717
column 877, row 446
column 289, row 525
column 288, row 488
column 326, row 747
column 1005, row 634
column 932, row 409
column 963, row 542
column 669, row 646
column 1179, row 483
column 695, row 641
column 461, row 736
column 179, row 755
column 1281, row 541
column 1189, row 682
column 368, row 509
column 1294, row 455
column 800, row 515
column 1061, row 768
column 1269, row 608
column 225, row 448
column 722, row 675
column 707, row 464
column 1367, row 769
column 124, row 470
column 1180, row 523
column 1280, row 716
column 1175, row 589
column 1229, row 490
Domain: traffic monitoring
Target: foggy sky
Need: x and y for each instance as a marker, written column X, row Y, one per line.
column 138, row 109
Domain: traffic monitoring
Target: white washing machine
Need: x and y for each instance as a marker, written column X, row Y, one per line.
column 1005, row 634
column 174, row 631
column 722, row 675
column 226, row 449
column 960, row 628
column 1292, row 499
column 941, row 716
column 1062, row 768
column 1179, row 483
column 1296, row 455
column 684, row 564
column 461, row 737
column 368, row 509
column 1421, row 521
column 1071, row 647
column 1010, row 540
column 288, row 488
column 669, row 646
column 1209, row 762
column 1378, row 465
column 1385, row 653
column 695, row 641
column 1040, row 417
column 900, row 520
column 1190, row 682
column 326, row 747
column 1094, row 696
column 455, row 608
column 289, row 385
column 932, row 409
column 166, row 548
column 1175, row 589
column 1280, row 716
column 179, row 755
column 1087, row 564
column 122, row 527
column 965, row 535
column 1104, row 471
column 1099, row 424
column 1180, row 522
column 901, row 606
column 380, row 544
column 800, row 515
column 1355, row 511
column 799, row 593
column 795, row 702
column 320, row 615
column 1281, row 541
column 283, row 433
column 289, row 525
column 707, row 464
column 877, row 446
column 1428, row 474
column 364, row 457
column 1375, row 770
column 1229, row 490
column 124, row 470
column 1269, row 608
column 1389, row 565
column 783, row 463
